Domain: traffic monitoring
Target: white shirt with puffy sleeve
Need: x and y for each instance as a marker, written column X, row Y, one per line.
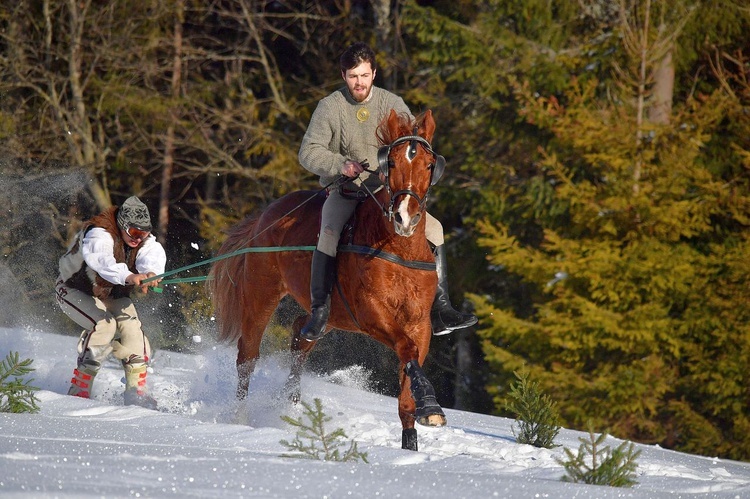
column 98, row 253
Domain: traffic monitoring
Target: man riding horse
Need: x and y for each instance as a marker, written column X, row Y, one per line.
column 340, row 139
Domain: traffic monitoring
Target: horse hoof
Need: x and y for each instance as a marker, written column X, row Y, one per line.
column 409, row 439
column 294, row 395
column 291, row 391
column 432, row 420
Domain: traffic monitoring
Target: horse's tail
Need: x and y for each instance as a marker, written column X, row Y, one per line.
column 227, row 280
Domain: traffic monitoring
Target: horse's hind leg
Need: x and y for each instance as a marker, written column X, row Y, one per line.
column 255, row 319
column 247, row 356
column 299, row 349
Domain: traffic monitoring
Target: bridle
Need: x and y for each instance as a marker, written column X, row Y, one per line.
column 437, row 167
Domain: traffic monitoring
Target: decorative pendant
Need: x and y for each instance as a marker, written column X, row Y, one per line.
column 362, row 114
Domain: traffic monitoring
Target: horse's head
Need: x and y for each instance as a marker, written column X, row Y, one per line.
column 408, row 166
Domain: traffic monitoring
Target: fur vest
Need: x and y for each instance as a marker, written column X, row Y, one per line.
column 78, row 275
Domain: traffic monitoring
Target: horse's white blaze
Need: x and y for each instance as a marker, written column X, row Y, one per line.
column 406, row 227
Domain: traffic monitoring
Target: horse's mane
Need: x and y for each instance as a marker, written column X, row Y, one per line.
column 405, row 127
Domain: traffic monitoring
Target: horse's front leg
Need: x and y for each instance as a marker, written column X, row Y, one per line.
column 428, row 411
column 417, row 402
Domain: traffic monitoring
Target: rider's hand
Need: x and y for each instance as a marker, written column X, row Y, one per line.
column 136, row 280
column 352, row 168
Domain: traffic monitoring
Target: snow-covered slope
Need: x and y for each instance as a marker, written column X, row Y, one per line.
column 203, row 443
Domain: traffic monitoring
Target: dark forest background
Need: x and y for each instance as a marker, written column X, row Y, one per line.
column 596, row 200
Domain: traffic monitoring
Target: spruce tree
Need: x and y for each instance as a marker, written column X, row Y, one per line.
column 597, row 464
column 313, row 441
column 536, row 412
column 630, row 246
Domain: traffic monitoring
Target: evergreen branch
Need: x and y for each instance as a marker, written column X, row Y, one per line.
column 320, row 445
column 16, row 395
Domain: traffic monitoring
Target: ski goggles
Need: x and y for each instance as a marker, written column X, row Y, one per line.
column 136, row 233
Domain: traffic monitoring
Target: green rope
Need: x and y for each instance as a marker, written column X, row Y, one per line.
column 216, row 259
column 185, row 279
column 353, row 248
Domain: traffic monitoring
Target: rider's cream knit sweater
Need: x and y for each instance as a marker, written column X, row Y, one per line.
column 341, row 129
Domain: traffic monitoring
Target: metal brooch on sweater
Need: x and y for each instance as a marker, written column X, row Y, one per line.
column 362, row 114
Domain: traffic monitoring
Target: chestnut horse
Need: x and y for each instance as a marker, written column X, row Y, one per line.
column 386, row 278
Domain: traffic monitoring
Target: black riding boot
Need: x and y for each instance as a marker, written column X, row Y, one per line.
column 444, row 318
column 322, row 275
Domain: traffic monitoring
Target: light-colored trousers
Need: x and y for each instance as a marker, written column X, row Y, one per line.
column 337, row 210
column 110, row 326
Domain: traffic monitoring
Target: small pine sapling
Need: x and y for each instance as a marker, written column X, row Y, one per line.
column 16, row 395
column 537, row 415
column 615, row 468
column 322, row 446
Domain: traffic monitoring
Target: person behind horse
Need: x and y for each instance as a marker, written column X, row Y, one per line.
column 109, row 257
column 341, row 140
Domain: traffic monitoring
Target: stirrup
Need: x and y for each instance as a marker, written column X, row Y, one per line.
column 455, row 320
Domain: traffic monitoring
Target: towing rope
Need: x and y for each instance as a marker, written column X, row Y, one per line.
column 351, row 248
column 216, row 259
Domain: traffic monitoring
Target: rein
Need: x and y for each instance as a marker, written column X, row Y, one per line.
column 388, row 212
column 352, row 248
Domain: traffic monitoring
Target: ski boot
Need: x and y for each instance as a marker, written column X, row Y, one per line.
column 136, row 370
column 83, row 375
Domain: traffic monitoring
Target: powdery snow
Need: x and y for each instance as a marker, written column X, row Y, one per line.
column 203, row 443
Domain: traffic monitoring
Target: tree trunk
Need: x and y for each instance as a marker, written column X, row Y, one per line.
column 462, row 395
column 168, row 170
column 384, row 38
column 660, row 110
column 81, row 137
column 643, row 53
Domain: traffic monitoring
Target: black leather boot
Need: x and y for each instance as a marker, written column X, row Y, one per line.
column 322, row 275
column 444, row 318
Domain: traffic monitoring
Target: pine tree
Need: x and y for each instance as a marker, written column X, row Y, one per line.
column 320, row 445
column 536, row 412
column 597, row 465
